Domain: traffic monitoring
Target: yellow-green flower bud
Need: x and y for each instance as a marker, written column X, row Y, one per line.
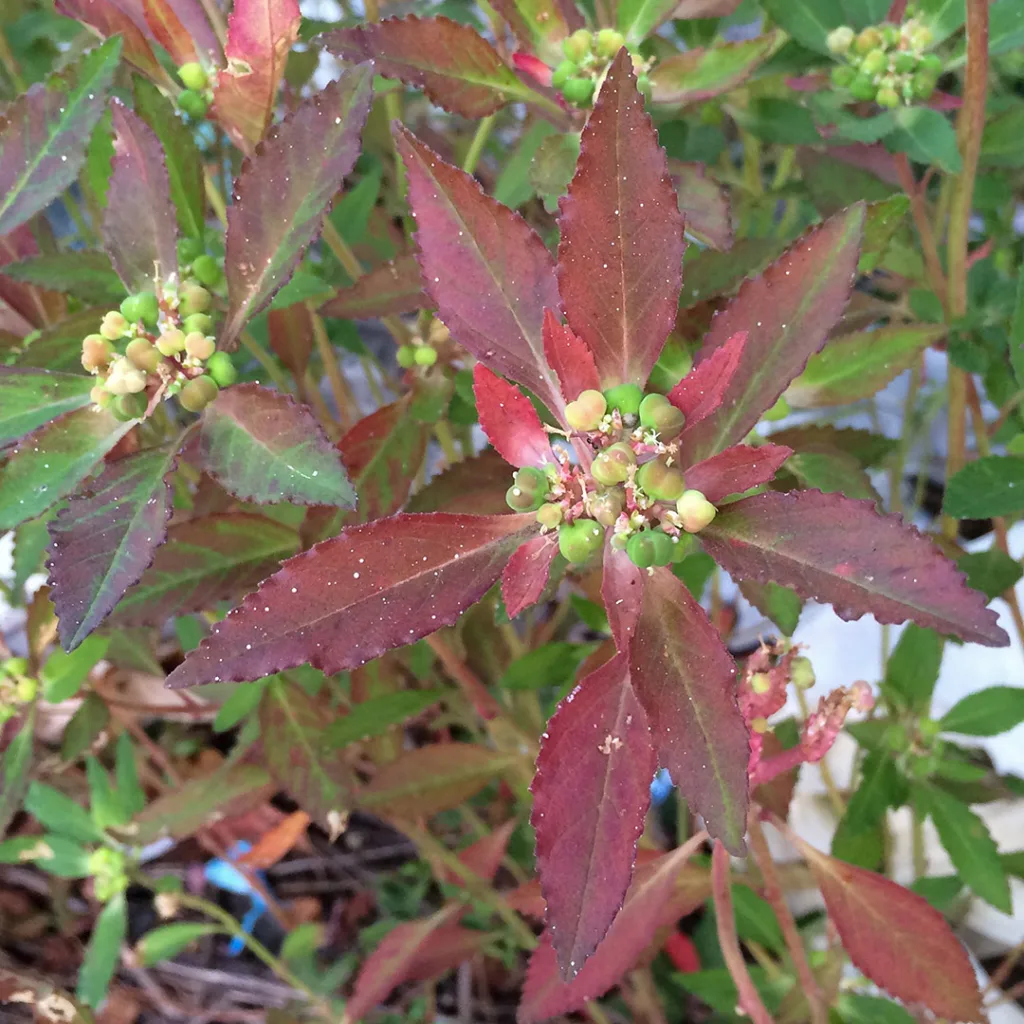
column 25, row 689
column 199, row 346
column 424, row 355
column 661, row 481
column 193, row 103
column 577, row 46
column 579, row 91
column 193, row 76
column 875, row 62
column 578, row 541
column 198, row 393
column 406, row 357
column 840, row 39
column 145, row 306
column 206, row 270
column 612, row 466
column 171, row 342
column 142, row 355
column 587, row 411
column 904, row 63
column 608, row 42
column 887, row 97
column 843, row 76
column 868, row 40
column 529, row 491
column 113, row 326
column 96, row 352
column 695, row 511
column 129, row 407
column 760, row 683
column 863, row 88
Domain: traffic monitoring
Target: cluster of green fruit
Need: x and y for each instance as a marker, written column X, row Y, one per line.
column 170, row 344
column 16, row 688
column 587, row 56
column 886, row 63
column 420, row 354
column 195, row 98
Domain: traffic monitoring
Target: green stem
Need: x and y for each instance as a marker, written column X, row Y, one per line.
column 256, row 350
column 10, row 64
column 476, row 147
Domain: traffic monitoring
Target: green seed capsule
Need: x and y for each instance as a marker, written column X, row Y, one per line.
column 577, row 46
column 801, row 673
column 606, row 506
column 193, row 104
column 626, row 398
column 424, row 355
column 875, row 62
column 659, row 414
column 932, row 63
column 198, row 323
column 868, row 40
column 612, row 466
column 406, row 357
column 843, row 76
column 199, row 346
column 221, row 369
column 193, row 76
column 206, row 270
column 890, row 35
column 549, row 516
column 587, row 411
column 193, row 298
column 189, row 249
column 779, row 411
column 529, row 491
column 129, row 407
column 840, row 39
column 171, row 342
column 903, row 63
column 198, row 393
column 563, row 73
column 695, row 511
column 96, row 352
column 579, row 91
column 608, row 42
column 661, row 481
column 887, row 97
column 142, row 355
column 650, row 548
column 130, row 309
column 578, row 541
column 148, row 308
column 863, row 88
column 922, row 85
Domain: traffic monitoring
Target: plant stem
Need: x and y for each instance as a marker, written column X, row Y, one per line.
column 474, row 690
column 919, row 211
column 216, row 18
column 749, row 999
column 970, row 126
column 10, row 64
column 348, row 412
column 214, row 197
column 834, row 796
column 259, row 353
column 476, row 147
column 776, row 897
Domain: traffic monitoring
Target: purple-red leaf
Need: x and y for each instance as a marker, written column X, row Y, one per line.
column 394, row 287
column 169, row 30
column 660, row 894
column 737, row 469
column 787, row 313
column 140, row 229
column 105, row 538
column 830, row 548
column 45, row 131
column 109, row 20
column 541, row 25
column 260, row 35
column 686, row 680
column 453, row 64
column 703, row 203
column 622, row 590
column 570, row 358
column 590, row 797
column 283, row 191
column 486, row 270
column 897, row 939
column 526, row 575
column 700, row 392
column 351, row 598
column 476, row 485
column 621, row 251
column 263, row 446
column 510, row 421
column 290, row 333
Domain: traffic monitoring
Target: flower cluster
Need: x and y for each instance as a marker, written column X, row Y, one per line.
column 16, row 688
column 766, row 675
column 169, row 348
column 634, row 486
column 109, row 870
column 886, row 63
column 195, row 98
column 587, row 57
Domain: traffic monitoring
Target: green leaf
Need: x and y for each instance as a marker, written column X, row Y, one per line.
column 103, row 952
column 54, row 460
column 1016, row 338
column 992, row 572
column 241, row 702
column 60, row 814
column 857, row 366
column 637, row 19
column 780, row 604
column 941, row 891
column 701, row 74
column 861, row 13
column 29, row 398
column 184, row 164
column 831, row 472
column 781, row 121
column 943, row 17
column 45, row 131
column 854, row 1008
column 84, row 274
column 14, row 770
column 1002, row 143
column 926, row 136
column 1005, row 28
column 265, row 447
column 514, row 187
column 63, row 857
column 883, row 219
column 807, row 21
column 126, row 774
column 167, row 941
column 64, row 673
column 913, row 668
column 30, row 541
column 552, row 665
column 968, row 843
column 881, row 786
column 105, row 538
column 755, row 919
column 58, row 347
column 988, row 712
column 85, row 726
column 990, row 486
column 375, row 716
column 863, row 129
column 104, row 801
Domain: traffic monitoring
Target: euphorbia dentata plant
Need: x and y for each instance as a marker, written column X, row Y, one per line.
column 669, row 696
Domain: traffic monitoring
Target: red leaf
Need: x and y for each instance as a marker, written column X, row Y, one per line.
column 359, row 594
column 622, row 591
column 621, row 252
column 510, row 421
column 703, row 203
column 108, row 20
column 394, row 960
column 290, row 332
column 170, row 33
column 283, row 190
column 526, row 575
column 393, row 287
column 486, row 270
column 700, row 392
column 897, row 939
column 701, row 74
column 569, row 357
column 686, row 680
column 658, row 897
column 787, row 313
column 260, row 35
column 453, row 64
column 737, row 469
column 831, row 548
column 476, row 485
column 484, row 857
column 590, row 798
column 540, row 25
column 140, row 230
